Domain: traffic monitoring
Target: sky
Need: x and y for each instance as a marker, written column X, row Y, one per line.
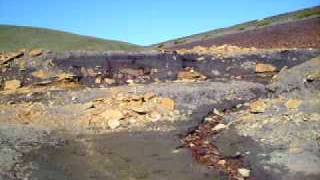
column 142, row 22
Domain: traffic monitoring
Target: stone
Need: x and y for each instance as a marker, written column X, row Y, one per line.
column 149, row 95
column 113, row 117
column 244, row 172
column 293, row 103
column 222, row 162
column 98, row 80
column 219, row 127
column 258, row 107
column 12, row 85
column 168, row 104
column 265, row 68
column 40, row 74
column 113, row 123
column 313, row 76
column 154, row 116
column 217, row 112
column 35, row 52
column 190, row 75
column 109, row 81
column 138, row 107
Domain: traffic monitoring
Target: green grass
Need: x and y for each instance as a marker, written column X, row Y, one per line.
column 17, row 37
column 306, row 14
column 263, row 23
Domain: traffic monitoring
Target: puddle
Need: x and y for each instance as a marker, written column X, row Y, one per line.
column 137, row 156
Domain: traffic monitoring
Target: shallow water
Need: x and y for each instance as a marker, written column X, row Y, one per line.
column 125, row 156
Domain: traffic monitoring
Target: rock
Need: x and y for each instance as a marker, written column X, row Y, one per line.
column 10, row 56
column 217, row 112
column 244, row 172
column 113, row 117
column 293, row 103
column 149, row 95
column 35, row 52
column 190, row 75
column 167, row 104
column 258, row 107
column 109, row 81
column 219, row 127
column 12, row 85
column 138, row 107
column 264, row 68
column 313, row 76
column 154, row 116
column 98, row 80
column 40, row 74
column 113, row 123
column 222, row 162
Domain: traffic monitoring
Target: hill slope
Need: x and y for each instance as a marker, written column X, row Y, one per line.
column 16, row 37
column 282, row 29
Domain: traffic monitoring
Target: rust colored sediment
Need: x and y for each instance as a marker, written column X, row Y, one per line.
column 207, row 153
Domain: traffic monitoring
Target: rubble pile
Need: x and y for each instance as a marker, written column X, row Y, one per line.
column 128, row 110
column 219, row 51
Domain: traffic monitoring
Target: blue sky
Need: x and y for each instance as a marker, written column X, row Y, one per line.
column 141, row 21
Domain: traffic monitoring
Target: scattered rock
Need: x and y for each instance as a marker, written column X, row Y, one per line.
column 258, row 107
column 293, row 103
column 12, row 85
column 265, row 68
column 219, row 51
column 244, row 172
column 35, row 52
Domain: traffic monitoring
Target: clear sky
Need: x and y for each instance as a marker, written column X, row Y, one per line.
column 141, row 22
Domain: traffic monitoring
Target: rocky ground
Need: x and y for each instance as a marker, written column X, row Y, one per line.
column 219, row 113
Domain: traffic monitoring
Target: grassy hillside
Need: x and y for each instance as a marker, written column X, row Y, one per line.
column 17, row 37
column 252, row 25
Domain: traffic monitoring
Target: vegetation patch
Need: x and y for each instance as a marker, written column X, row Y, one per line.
column 308, row 13
column 263, row 23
